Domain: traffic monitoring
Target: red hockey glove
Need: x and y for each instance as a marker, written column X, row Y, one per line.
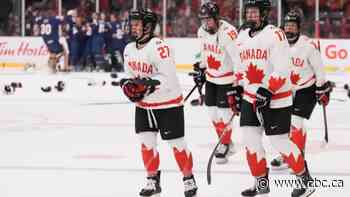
column 323, row 93
column 137, row 89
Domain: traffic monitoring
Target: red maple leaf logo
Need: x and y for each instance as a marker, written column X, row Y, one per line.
column 254, row 75
column 297, row 165
column 276, row 83
column 150, row 159
column 257, row 168
column 294, row 77
column 213, row 63
column 298, row 137
column 184, row 161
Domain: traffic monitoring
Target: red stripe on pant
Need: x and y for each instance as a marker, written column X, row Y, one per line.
column 150, row 160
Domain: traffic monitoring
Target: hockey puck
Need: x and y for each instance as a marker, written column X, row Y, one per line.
column 114, row 75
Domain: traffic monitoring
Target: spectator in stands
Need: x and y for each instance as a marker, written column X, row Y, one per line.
column 345, row 23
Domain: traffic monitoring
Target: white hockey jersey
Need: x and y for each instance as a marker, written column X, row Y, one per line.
column 264, row 61
column 155, row 60
column 307, row 64
column 216, row 51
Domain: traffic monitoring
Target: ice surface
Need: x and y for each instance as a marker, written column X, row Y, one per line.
column 81, row 143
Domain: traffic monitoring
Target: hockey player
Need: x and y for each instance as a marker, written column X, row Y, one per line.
column 98, row 41
column 217, row 38
column 116, row 43
column 308, row 79
column 77, row 43
column 264, row 71
column 154, row 87
column 49, row 30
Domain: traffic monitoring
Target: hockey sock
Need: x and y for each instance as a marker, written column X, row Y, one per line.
column 212, row 110
column 290, row 152
column 182, row 155
column 150, row 154
column 298, row 134
column 220, row 127
column 224, row 117
column 255, row 154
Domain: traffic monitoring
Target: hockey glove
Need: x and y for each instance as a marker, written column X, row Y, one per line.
column 234, row 98
column 323, row 93
column 198, row 75
column 137, row 89
column 263, row 98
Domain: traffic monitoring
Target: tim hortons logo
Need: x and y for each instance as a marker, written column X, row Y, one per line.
column 24, row 49
column 253, row 54
column 141, row 67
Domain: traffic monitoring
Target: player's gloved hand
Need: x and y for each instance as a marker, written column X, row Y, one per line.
column 198, row 74
column 136, row 89
column 323, row 93
column 234, row 98
column 263, row 98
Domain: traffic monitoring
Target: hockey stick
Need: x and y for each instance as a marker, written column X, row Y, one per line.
column 325, row 124
column 193, row 74
column 199, row 101
column 215, row 148
column 189, row 94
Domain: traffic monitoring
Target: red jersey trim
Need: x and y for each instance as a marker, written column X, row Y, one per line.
column 274, row 97
column 178, row 100
column 220, row 76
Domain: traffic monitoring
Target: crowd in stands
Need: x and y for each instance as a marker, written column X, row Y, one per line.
column 182, row 20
